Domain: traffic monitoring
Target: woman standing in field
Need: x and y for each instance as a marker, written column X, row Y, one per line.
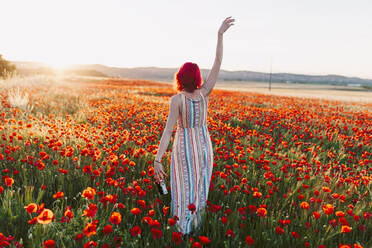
column 192, row 151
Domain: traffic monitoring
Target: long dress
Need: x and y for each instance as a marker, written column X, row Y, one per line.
column 191, row 164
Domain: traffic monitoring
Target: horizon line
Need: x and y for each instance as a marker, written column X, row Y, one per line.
column 229, row 70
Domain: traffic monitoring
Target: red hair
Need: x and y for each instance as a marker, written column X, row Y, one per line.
column 188, row 77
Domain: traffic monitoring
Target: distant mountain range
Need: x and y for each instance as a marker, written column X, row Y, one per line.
column 167, row 74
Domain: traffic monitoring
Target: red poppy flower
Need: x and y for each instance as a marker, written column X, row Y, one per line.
column 224, row 219
column 156, row 233
column 135, row 211
column 142, row 203
column 165, row 210
column 120, row 205
column 32, row 221
column 295, row 235
column 229, row 233
column 345, row 229
column 147, row 220
column 50, row 243
column 252, row 208
column 90, row 229
column 249, row 240
column 261, row 212
column 68, row 213
column 171, row 221
column 115, row 218
column 59, row 194
column 196, row 245
column 91, row 211
column 304, row 205
column 9, row 181
column 32, row 207
column 89, row 193
column 151, row 212
column 204, row 240
column 333, row 222
column 279, row 230
column 177, row 237
column 155, row 223
column 151, row 171
column 78, row 236
column 90, row 244
column 191, row 207
column 45, row 217
column 328, row 209
column 367, row 215
column 326, row 189
column 340, row 214
column 257, row 194
column 107, row 229
column 316, row 215
column 135, row 231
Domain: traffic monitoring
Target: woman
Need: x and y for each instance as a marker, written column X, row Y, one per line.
column 192, row 153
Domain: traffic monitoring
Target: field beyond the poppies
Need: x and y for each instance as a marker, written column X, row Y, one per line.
column 76, row 161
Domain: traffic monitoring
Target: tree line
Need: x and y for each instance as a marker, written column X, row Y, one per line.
column 6, row 68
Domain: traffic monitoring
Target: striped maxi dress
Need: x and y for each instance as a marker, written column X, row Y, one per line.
column 191, row 164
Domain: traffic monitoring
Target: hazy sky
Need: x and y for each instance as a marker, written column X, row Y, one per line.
column 308, row 36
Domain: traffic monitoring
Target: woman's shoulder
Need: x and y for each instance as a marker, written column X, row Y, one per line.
column 177, row 98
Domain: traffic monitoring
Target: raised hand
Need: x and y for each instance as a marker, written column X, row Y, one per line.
column 228, row 22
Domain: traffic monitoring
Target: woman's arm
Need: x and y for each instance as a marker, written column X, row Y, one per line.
column 167, row 133
column 213, row 74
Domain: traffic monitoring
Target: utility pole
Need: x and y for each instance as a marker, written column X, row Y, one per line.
column 270, row 73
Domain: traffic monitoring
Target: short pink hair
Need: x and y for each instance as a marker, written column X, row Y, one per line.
column 188, row 77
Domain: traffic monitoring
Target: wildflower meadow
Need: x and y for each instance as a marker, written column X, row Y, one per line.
column 76, row 166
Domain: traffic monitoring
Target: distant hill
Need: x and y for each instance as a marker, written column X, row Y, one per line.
column 84, row 72
column 167, row 74
column 31, row 68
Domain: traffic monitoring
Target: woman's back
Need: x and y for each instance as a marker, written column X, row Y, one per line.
column 193, row 112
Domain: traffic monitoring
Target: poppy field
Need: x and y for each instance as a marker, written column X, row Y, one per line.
column 76, row 169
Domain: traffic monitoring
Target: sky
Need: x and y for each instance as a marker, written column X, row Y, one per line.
column 315, row 37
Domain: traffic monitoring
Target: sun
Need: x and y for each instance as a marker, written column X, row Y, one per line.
column 59, row 65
